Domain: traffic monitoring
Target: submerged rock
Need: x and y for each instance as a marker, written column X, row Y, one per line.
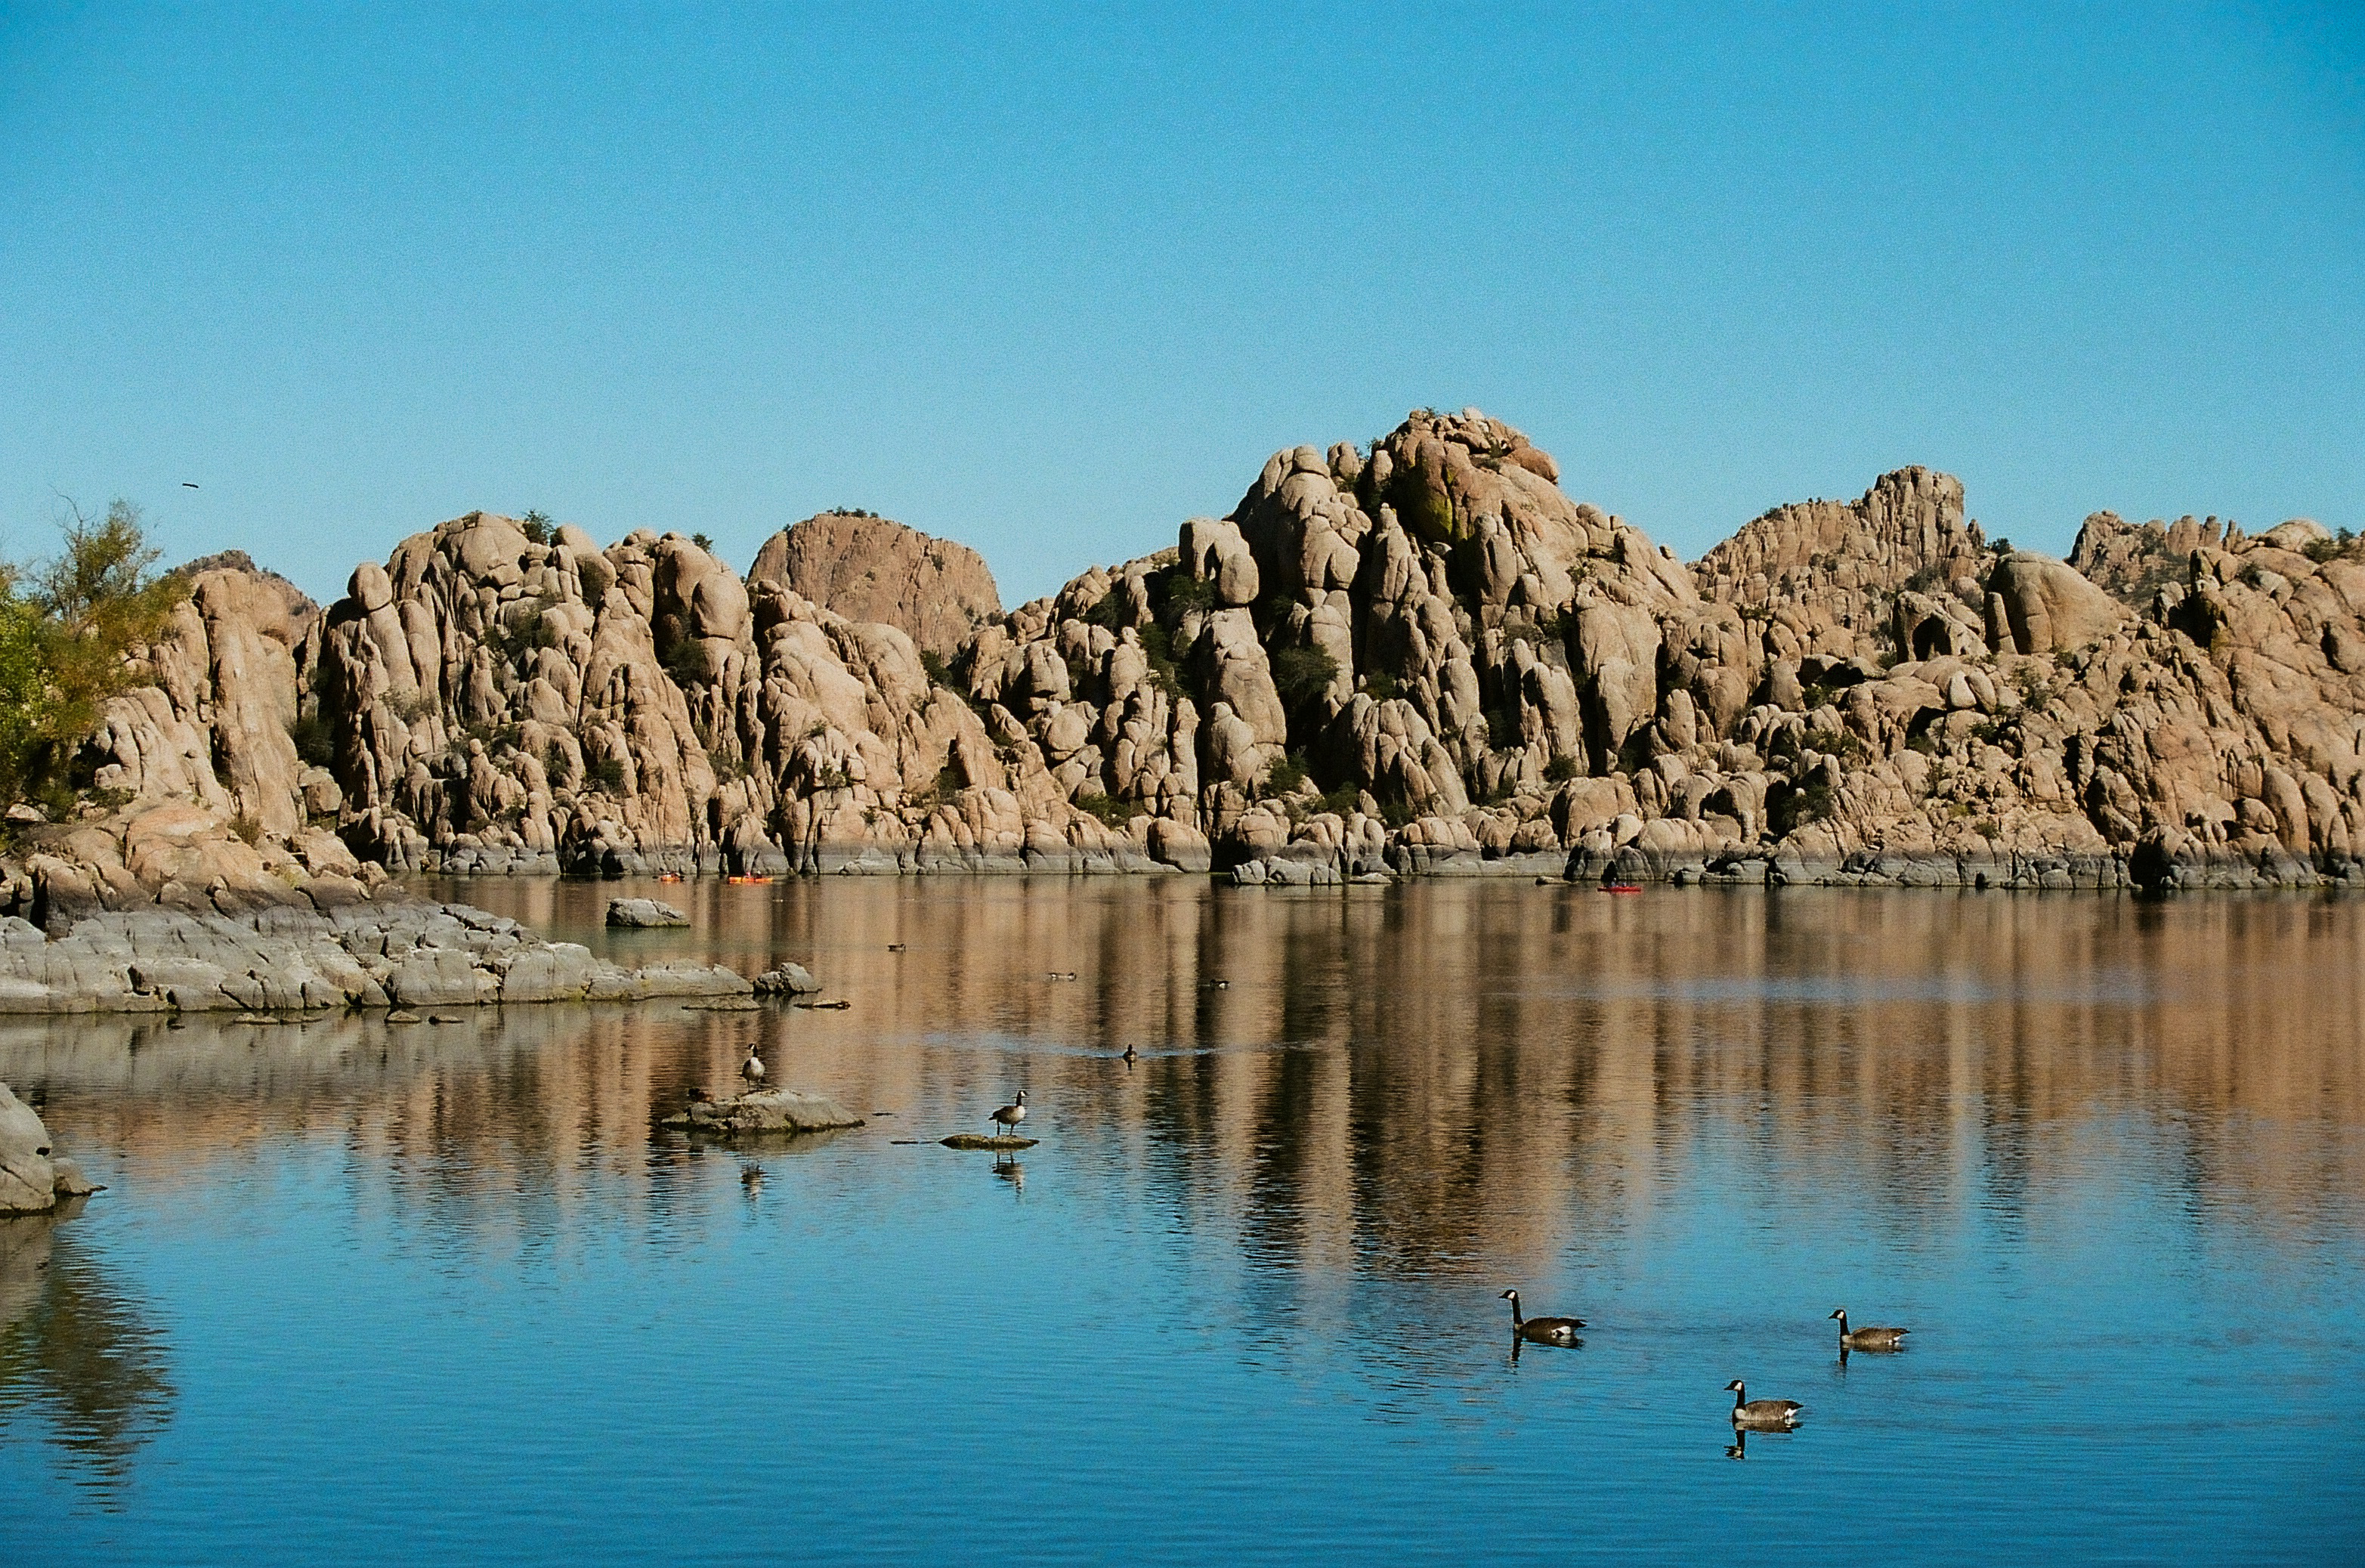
column 980, row 1141
column 765, row 1110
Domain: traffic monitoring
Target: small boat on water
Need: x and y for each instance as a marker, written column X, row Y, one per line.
column 747, row 882
column 1622, row 887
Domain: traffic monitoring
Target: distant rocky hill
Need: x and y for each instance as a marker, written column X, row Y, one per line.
column 1425, row 657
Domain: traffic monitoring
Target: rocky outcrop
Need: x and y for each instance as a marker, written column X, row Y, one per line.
column 869, row 569
column 764, row 1111
column 390, row 953
column 34, row 1178
column 1419, row 657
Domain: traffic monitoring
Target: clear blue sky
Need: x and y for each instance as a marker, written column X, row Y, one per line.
column 1050, row 280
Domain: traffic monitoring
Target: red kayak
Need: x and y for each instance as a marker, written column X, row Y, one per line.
column 1622, row 887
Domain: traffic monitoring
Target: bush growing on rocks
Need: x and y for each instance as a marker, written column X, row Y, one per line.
column 68, row 630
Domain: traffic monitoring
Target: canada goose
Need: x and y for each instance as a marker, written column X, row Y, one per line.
column 1868, row 1338
column 1008, row 1116
column 1129, row 1054
column 752, row 1070
column 1763, row 1414
column 1542, row 1330
column 894, row 946
column 1215, row 985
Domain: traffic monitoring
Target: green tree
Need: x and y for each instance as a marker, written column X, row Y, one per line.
column 68, row 630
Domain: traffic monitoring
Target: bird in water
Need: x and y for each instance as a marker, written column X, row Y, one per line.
column 1542, row 1330
column 752, row 1178
column 1868, row 1338
column 1765, row 1415
column 752, row 1070
column 1007, row 1117
column 1130, row 1054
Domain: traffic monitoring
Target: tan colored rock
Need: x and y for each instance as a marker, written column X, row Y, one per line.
column 869, row 569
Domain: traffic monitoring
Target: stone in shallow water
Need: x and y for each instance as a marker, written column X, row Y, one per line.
column 644, row 912
column 765, row 1110
column 980, row 1141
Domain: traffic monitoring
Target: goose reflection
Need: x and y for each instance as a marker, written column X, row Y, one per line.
column 1013, row 1173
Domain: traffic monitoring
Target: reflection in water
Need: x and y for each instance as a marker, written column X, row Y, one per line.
column 76, row 1358
column 1434, row 1078
column 1275, row 1123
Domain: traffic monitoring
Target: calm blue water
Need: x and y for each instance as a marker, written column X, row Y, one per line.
column 371, row 1292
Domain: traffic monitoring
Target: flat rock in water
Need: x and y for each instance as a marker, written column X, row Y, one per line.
column 641, row 913
column 722, row 1004
column 765, row 1110
column 980, row 1141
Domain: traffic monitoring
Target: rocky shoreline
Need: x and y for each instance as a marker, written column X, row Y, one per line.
column 386, row 954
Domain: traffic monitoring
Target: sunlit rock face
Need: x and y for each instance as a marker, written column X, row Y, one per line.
column 935, row 591
column 1418, row 657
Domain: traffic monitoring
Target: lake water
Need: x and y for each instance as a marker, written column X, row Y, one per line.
column 372, row 1293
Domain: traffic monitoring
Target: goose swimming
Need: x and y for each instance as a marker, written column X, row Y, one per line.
column 1766, row 1414
column 1542, row 1330
column 1868, row 1338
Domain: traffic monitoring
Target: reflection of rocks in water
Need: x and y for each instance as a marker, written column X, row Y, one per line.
column 1447, row 1077
column 76, row 1358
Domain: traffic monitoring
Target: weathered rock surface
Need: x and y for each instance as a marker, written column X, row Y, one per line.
column 765, row 1110
column 33, row 1177
column 868, row 568
column 1424, row 658
column 388, row 952
column 787, row 980
column 644, row 912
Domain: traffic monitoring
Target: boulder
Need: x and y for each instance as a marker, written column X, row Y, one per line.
column 28, row 1173
column 2046, row 606
column 639, row 913
column 786, row 980
column 764, row 1111
column 869, row 569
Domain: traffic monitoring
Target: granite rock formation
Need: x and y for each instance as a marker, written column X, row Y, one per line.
column 34, row 1177
column 868, row 568
column 1424, row 656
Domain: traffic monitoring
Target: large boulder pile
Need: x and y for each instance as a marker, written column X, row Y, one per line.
column 1418, row 657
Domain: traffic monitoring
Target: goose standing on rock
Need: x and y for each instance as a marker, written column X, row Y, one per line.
column 1765, row 1415
column 1542, row 1330
column 1868, row 1338
column 752, row 1070
column 1007, row 1117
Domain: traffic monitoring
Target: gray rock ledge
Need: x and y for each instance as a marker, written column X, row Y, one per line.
column 404, row 955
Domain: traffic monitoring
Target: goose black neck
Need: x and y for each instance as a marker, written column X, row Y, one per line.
column 1739, row 1393
column 1517, row 1318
